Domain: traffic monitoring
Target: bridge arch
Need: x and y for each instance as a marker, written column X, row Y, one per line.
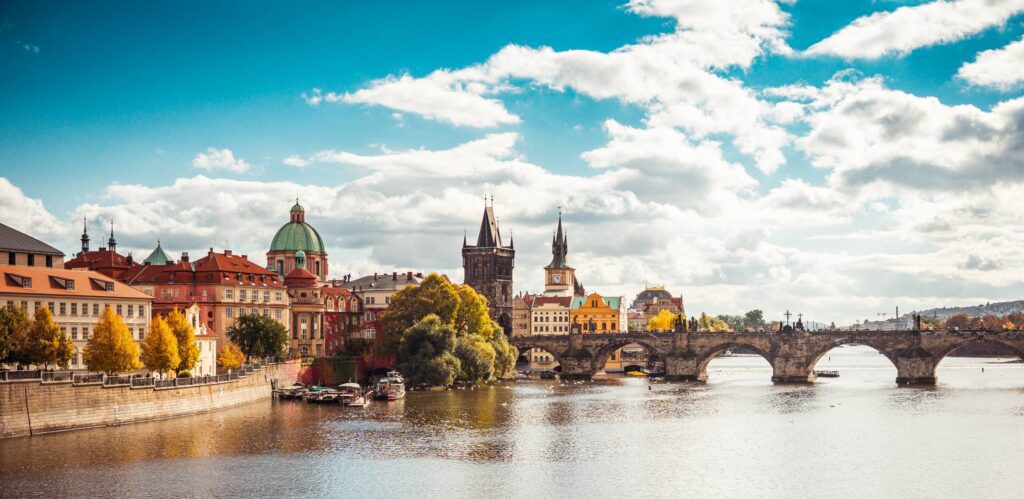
column 704, row 358
column 1016, row 348
column 602, row 355
column 525, row 346
column 813, row 359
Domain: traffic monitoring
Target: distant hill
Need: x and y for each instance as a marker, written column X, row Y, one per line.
column 998, row 308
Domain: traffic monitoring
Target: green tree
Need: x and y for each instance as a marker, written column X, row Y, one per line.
column 259, row 336
column 160, row 348
column 426, row 352
column 111, row 348
column 476, row 358
column 185, row 334
column 230, row 357
column 754, row 319
column 49, row 345
column 711, row 324
column 505, row 354
column 472, row 315
column 15, row 329
column 435, row 295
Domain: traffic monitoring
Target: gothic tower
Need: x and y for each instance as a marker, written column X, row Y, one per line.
column 488, row 265
column 559, row 277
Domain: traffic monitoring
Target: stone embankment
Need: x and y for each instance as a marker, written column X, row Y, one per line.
column 47, row 405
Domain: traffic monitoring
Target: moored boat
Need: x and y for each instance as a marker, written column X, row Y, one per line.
column 293, row 392
column 390, row 387
column 826, row 374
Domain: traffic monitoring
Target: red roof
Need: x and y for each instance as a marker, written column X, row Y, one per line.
column 214, row 268
column 300, row 278
column 331, row 291
column 565, row 301
column 110, row 261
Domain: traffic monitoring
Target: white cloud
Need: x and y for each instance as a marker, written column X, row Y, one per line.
column 908, row 28
column 220, row 159
column 296, row 161
column 1001, row 68
column 24, row 213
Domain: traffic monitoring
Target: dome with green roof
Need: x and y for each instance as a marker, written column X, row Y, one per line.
column 297, row 235
column 158, row 256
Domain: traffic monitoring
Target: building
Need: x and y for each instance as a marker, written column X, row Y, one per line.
column 550, row 315
column 76, row 298
column 206, row 365
column 224, row 286
column 308, row 310
column 344, row 316
column 18, row 248
column 559, row 277
column 598, row 314
column 295, row 236
column 635, row 321
column 487, row 267
column 651, row 301
column 105, row 260
column 521, row 314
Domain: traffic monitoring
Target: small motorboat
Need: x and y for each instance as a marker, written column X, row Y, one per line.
column 547, row 375
column 293, row 392
column 326, row 396
column 638, row 374
column 349, row 391
column 827, row 374
column 311, row 393
column 361, row 400
column 390, row 387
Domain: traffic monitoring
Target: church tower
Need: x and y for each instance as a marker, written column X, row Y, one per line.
column 488, row 265
column 559, row 277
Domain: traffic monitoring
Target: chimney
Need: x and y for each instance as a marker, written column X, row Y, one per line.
column 245, row 257
column 374, row 276
column 210, row 253
column 129, row 259
column 227, row 252
column 394, row 276
column 184, row 256
column 419, row 274
column 408, row 276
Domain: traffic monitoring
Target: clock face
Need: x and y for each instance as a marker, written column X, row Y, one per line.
column 557, row 278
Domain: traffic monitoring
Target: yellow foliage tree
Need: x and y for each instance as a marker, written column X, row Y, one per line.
column 188, row 349
column 111, row 348
column 664, row 321
column 472, row 315
column 160, row 348
column 50, row 345
column 711, row 324
column 230, row 357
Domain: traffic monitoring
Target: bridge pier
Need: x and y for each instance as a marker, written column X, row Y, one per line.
column 684, row 367
column 576, row 368
column 917, row 369
column 792, row 370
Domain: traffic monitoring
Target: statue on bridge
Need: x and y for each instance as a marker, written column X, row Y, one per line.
column 694, row 326
column 591, row 326
column 680, row 324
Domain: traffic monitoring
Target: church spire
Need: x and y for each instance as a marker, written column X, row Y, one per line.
column 85, row 235
column 112, row 243
column 559, row 246
column 489, row 236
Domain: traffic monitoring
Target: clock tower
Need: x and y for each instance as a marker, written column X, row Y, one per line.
column 559, row 277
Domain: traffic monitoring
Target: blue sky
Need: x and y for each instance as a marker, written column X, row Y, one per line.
column 635, row 121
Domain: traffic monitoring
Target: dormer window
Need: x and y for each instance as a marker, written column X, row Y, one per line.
column 110, row 286
column 63, row 283
column 26, row 282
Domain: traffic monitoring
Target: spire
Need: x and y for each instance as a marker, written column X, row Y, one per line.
column 85, row 235
column 158, row 256
column 489, row 236
column 112, row 243
column 511, row 240
column 559, row 246
column 464, row 241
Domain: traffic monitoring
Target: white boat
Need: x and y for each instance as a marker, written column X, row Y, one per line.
column 390, row 387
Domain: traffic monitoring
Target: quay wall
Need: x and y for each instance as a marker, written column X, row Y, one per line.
column 33, row 407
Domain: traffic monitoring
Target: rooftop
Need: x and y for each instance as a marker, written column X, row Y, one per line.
column 19, row 280
column 17, row 241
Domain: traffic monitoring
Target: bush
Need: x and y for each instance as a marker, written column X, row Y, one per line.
column 184, row 374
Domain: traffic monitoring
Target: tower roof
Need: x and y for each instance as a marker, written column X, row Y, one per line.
column 158, row 256
column 297, row 235
column 489, row 236
column 559, row 247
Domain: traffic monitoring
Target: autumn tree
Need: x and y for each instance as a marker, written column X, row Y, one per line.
column 47, row 343
column 958, row 321
column 185, row 334
column 505, row 353
column 472, row 315
column 664, row 321
column 111, row 348
column 15, row 329
column 711, row 324
column 259, row 336
column 476, row 358
column 434, row 295
column 160, row 348
column 426, row 352
column 230, row 357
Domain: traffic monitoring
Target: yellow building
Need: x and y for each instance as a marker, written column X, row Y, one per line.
column 596, row 314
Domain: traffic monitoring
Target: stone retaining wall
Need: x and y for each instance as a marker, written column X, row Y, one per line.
column 33, row 407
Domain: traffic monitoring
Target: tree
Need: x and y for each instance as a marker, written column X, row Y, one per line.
column 426, row 352
column 958, row 321
column 664, row 321
column 15, row 329
column 47, row 343
column 476, row 358
column 711, row 324
column 111, row 348
column 230, row 357
column 754, row 319
column 259, row 336
column 185, row 334
column 734, row 322
column 472, row 315
column 160, row 348
column 505, row 353
column 435, row 295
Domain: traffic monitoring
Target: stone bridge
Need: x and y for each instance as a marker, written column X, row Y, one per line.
column 792, row 354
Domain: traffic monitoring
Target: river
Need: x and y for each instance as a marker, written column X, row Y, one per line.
column 739, row 435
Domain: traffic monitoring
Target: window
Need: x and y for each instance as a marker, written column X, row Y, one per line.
column 74, row 308
column 230, row 312
column 63, row 308
column 142, row 333
column 49, row 261
column 26, row 282
column 119, row 309
column 95, row 309
column 142, row 310
column 48, row 305
column 266, row 312
column 11, row 259
column 85, row 309
column 110, row 286
column 69, row 284
column 131, row 310
column 255, row 312
column 85, row 333
column 241, row 294
column 229, row 294
column 277, row 296
column 387, row 300
column 266, row 296
column 131, row 332
column 31, row 259
column 277, row 314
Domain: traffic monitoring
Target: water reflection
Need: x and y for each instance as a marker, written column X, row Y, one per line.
column 613, row 437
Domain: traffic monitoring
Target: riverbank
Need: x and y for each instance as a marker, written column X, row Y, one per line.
column 34, row 407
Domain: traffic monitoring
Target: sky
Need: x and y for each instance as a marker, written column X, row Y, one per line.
column 837, row 159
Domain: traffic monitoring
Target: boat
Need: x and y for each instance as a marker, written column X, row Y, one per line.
column 547, row 375
column 348, row 392
column 326, row 396
column 827, row 374
column 293, row 392
column 311, row 393
column 390, row 387
column 638, row 374
column 361, row 400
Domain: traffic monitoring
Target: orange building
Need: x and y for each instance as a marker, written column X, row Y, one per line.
column 597, row 314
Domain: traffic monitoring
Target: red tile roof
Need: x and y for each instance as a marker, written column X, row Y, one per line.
column 51, row 281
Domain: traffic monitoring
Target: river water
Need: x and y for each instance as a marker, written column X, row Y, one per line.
column 738, row 435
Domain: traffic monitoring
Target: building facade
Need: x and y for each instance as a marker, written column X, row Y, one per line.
column 295, row 236
column 18, row 248
column 521, row 315
column 487, row 267
column 206, row 364
column 374, row 293
column 344, row 316
column 308, row 310
column 76, row 298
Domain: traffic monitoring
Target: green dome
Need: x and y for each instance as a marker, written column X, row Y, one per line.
column 296, row 236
